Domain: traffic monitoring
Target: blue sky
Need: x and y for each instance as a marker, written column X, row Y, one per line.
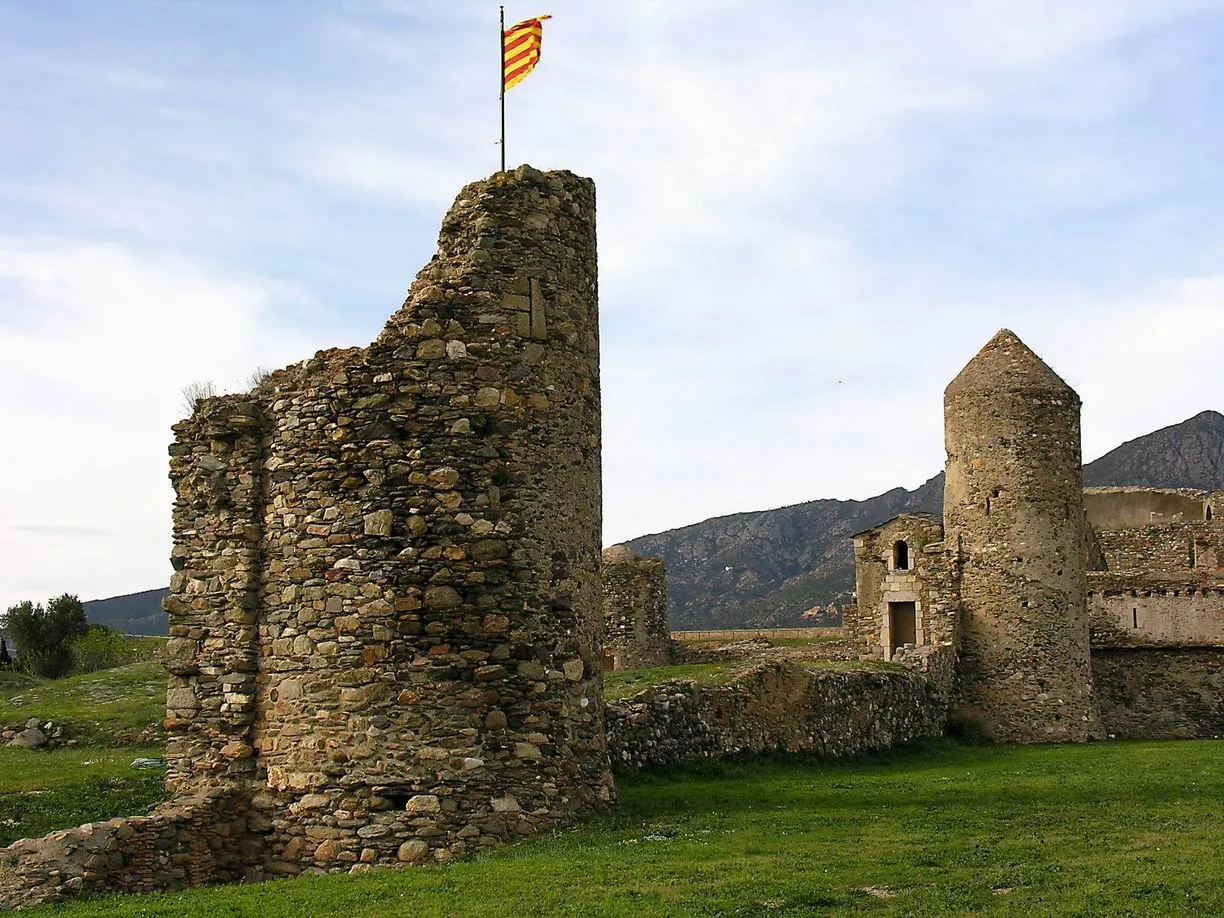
column 811, row 215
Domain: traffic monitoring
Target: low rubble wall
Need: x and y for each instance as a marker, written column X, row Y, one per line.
column 190, row 841
column 775, row 706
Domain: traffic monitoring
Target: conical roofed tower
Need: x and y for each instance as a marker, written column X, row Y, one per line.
column 1013, row 507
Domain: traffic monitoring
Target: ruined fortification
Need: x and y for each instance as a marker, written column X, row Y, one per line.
column 635, row 611
column 387, row 615
column 1156, row 610
column 1057, row 602
column 386, row 611
column 385, row 618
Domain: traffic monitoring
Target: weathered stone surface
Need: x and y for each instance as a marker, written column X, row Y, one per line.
column 775, row 706
column 1013, row 504
column 378, row 523
column 29, row 738
column 412, row 851
column 636, row 633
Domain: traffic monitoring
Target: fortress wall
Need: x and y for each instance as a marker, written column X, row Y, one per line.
column 216, row 463
column 635, row 611
column 774, row 707
column 1154, row 693
column 386, row 610
column 1127, row 508
column 1167, row 548
column 1146, row 611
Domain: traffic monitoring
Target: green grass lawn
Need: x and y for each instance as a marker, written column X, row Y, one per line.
column 625, row 683
column 103, row 707
column 1095, row 830
column 44, row 791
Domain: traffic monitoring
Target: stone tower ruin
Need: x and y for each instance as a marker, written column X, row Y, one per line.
column 635, row 610
column 386, row 612
column 1014, row 511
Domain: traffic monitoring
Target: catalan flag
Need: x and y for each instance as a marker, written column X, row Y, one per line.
column 521, row 50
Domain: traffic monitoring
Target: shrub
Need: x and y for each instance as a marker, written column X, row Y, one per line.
column 42, row 634
column 100, row 648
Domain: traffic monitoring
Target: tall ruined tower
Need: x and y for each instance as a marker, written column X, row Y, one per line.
column 386, row 611
column 1013, row 507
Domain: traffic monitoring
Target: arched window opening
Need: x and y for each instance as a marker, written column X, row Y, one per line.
column 901, row 556
column 1207, row 514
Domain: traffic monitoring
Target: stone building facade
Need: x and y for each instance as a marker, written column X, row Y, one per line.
column 1071, row 613
column 635, row 611
column 1156, row 609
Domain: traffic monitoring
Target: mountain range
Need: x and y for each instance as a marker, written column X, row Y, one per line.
column 766, row 568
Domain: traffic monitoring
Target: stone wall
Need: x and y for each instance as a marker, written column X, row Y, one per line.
column 1160, row 693
column 774, row 706
column 386, row 616
column 1156, row 612
column 635, row 611
column 1128, row 508
column 191, row 841
column 1167, row 548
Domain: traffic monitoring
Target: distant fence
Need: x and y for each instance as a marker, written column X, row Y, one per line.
column 746, row 633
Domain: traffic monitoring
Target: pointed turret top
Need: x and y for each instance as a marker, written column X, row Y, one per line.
column 1006, row 363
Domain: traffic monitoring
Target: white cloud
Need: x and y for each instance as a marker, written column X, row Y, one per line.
column 96, row 344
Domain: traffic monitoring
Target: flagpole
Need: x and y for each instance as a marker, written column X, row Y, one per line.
column 501, row 73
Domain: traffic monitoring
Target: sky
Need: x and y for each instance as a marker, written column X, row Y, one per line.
column 812, row 213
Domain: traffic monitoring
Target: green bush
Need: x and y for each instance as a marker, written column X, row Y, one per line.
column 101, row 648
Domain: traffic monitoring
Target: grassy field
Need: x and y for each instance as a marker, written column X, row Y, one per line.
column 103, row 708
column 42, row 790
column 1095, row 830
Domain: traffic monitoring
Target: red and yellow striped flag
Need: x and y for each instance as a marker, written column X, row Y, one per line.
column 521, row 49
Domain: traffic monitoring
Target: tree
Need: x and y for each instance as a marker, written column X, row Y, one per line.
column 42, row 634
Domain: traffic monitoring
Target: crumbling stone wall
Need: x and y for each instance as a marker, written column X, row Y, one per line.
column 775, row 706
column 635, row 610
column 1013, row 509
column 191, row 841
column 385, row 616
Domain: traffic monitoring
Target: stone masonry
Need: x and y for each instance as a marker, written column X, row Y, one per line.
column 386, row 612
column 1014, row 510
column 635, row 611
